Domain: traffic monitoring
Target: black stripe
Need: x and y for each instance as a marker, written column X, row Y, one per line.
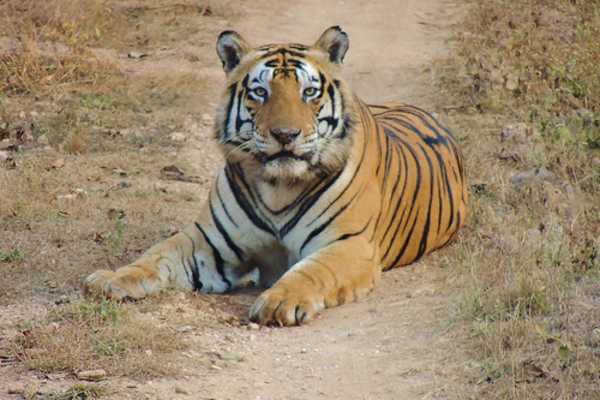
column 324, row 225
column 425, row 234
column 232, row 89
column 223, row 205
column 307, row 204
column 244, row 204
column 238, row 252
column 196, row 282
column 406, row 241
column 346, row 236
column 404, row 186
column 219, row 264
column 283, row 52
column 360, row 162
column 290, row 206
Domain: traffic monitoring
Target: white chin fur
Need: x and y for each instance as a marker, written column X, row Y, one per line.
column 287, row 169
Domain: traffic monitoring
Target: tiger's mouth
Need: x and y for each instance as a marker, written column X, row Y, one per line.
column 283, row 155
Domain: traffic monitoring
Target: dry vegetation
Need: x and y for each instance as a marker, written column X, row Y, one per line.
column 90, row 335
column 85, row 133
column 524, row 95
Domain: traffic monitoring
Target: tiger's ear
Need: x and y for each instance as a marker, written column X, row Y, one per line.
column 334, row 41
column 231, row 47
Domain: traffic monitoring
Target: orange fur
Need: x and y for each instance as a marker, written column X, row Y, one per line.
column 320, row 192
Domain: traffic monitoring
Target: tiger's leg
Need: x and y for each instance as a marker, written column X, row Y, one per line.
column 336, row 274
column 195, row 258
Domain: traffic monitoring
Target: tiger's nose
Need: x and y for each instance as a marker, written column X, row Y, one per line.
column 285, row 135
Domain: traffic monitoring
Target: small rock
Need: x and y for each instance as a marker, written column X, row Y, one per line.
column 16, row 388
column 207, row 117
column 136, row 55
column 180, row 390
column 518, row 131
column 58, row 163
column 67, row 197
column 216, row 367
column 185, row 328
column 92, row 375
column 4, row 155
column 303, row 351
column 536, row 174
column 80, row 192
column 512, row 82
column 178, row 137
column 596, row 162
column 253, row 326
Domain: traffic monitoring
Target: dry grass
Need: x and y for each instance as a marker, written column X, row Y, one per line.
column 91, row 335
column 88, row 133
column 526, row 89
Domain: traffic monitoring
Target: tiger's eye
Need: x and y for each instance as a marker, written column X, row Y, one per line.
column 259, row 91
column 311, row 91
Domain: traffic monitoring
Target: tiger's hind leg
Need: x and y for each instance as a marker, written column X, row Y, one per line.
column 188, row 260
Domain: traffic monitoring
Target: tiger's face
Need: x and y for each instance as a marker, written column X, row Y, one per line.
column 284, row 110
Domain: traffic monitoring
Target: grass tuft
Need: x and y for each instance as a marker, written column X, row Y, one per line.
column 91, row 335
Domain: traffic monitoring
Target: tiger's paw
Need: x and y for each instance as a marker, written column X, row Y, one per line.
column 283, row 307
column 115, row 285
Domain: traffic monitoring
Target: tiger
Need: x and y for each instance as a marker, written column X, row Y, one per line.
column 319, row 192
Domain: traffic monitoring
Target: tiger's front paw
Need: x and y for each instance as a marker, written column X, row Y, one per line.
column 117, row 285
column 286, row 307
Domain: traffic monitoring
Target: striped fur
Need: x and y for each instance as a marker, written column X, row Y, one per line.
column 314, row 213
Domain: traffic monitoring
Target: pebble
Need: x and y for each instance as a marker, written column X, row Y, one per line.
column 136, row 55
column 536, row 174
column 180, row 390
column 253, row 326
column 92, row 375
column 16, row 389
column 185, row 328
column 178, row 137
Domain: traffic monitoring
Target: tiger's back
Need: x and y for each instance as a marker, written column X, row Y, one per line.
column 422, row 183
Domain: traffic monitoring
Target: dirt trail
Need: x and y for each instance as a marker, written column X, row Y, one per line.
column 391, row 345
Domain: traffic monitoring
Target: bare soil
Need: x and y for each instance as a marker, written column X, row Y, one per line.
column 393, row 345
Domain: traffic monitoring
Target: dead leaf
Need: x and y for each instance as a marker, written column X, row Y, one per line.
column 98, row 238
column 173, row 172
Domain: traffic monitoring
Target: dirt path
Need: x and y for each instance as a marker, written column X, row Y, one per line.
column 393, row 344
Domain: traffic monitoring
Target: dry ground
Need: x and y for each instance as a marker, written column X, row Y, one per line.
column 105, row 114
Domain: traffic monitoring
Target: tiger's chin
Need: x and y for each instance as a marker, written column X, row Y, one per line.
column 288, row 170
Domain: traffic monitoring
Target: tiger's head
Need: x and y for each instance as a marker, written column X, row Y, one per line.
column 285, row 110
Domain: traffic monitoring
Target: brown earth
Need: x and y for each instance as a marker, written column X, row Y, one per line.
column 393, row 345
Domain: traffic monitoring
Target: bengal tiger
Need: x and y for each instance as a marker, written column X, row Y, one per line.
column 319, row 193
